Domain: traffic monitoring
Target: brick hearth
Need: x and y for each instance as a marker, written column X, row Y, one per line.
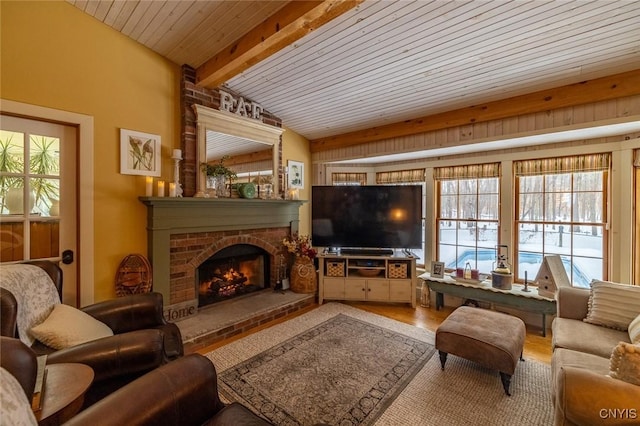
column 229, row 318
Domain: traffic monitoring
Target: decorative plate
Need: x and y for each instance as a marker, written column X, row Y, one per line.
column 248, row 190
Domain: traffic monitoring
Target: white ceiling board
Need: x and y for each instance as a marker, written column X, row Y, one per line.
column 355, row 75
column 388, row 61
column 220, row 145
column 183, row 31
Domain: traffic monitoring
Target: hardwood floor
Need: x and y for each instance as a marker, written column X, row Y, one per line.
column 535, row 346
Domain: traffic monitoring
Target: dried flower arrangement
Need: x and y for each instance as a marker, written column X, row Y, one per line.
column 300, row 245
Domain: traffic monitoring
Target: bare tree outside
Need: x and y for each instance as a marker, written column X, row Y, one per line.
column 562, row 214
column 468, row 221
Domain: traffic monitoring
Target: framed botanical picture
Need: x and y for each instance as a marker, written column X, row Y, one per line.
column 139, row 153
column 296, row 174
column 437, row 269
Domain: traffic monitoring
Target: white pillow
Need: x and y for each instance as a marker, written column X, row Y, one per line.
column 634, row 330
column 16, row 409
column 613, row 305
column 625, row 363
column 67, row 326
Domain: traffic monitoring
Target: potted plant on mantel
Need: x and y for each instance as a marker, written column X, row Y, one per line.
column 217, row 174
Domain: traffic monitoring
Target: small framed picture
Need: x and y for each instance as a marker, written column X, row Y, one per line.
column 437, row 269
column 296, row 174
column 139, row 153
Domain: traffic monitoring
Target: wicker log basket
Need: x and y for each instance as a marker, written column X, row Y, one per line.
column 303, row 276
column 133, row 276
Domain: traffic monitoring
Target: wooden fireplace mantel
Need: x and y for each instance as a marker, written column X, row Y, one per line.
column 193, row 214
column 168, row 216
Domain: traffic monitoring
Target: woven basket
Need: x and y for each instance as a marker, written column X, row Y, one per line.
column 335, row 268
column 303, row 276
column 133, row 276
column 398, row 270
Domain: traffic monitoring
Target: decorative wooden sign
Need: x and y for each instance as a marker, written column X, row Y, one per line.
column 240, row 106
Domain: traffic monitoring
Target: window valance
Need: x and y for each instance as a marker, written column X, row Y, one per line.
column 472, row 171
column 348, row 178
column 574, row 163
column 400, row 176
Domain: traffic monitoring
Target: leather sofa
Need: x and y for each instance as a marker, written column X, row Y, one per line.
column 183, row 392
column 142, row 340
column 583, row 392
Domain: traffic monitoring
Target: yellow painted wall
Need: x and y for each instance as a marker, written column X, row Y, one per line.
column 295, row 147
column 55, row 56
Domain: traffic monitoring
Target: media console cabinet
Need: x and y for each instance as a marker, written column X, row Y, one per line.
column 379, row 278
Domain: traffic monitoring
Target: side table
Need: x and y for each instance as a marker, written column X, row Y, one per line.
column 64, row 388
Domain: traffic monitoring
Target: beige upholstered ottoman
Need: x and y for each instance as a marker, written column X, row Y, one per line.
column 492, row 339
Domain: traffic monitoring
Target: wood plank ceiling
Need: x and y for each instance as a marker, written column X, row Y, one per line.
column 385, row 62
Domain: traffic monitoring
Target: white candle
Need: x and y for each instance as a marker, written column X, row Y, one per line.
column 172, row 189
column 149, row 186
column 177, row 154
column 293, row 194
column 160, row 188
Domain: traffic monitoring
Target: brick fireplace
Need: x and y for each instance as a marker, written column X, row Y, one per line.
column 183, row 233
column 190, row 251
column 234, row 271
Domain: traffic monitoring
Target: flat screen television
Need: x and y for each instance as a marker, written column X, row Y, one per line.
column 366, row 216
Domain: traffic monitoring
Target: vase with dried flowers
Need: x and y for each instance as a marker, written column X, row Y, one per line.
column 303, row 271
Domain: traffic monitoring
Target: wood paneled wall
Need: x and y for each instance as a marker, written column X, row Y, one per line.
column 586, row 115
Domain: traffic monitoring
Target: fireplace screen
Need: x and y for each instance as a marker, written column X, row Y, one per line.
column 232, row 272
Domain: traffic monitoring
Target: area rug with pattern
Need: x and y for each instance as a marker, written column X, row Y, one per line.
column 339, row 365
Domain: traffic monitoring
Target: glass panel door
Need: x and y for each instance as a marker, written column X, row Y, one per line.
column 37, row 193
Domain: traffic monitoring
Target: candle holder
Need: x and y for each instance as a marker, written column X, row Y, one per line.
column 285, row 179
column 177, row 157
column 526, row 283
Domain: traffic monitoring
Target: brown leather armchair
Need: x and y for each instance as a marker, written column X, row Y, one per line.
column 142, row 339
column 184, row 392
column 20, row 361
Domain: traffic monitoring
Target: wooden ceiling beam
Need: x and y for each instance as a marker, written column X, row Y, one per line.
column 251, row 157
column 611, row 87
column 289, row 24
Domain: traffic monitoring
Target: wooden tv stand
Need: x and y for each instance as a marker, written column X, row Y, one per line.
column 376, row 278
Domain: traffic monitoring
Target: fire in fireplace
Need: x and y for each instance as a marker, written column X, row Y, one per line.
column 233, row 271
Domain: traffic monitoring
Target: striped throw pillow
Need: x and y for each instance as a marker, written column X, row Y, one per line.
column 613, row 305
